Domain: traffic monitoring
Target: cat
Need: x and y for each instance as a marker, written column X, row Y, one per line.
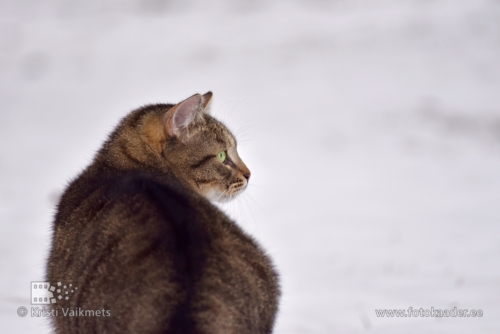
column 137, row 236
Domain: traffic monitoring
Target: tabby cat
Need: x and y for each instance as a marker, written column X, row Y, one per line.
column 137, row 236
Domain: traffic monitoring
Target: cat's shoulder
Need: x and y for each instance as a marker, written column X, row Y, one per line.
column 90, row 192
column 165, row 194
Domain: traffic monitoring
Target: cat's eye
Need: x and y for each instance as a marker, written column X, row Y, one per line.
column 222, row 156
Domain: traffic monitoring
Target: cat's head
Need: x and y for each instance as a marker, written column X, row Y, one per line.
column 183, row 139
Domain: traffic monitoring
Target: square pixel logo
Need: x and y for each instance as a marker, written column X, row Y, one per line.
column 44, row 293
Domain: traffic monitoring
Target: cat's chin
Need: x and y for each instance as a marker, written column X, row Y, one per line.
column 223, row 197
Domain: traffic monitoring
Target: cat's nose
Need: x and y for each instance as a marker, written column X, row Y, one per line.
column 247, row 175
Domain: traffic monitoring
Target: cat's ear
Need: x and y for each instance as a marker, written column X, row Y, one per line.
column 178, row 118
column 207, row 98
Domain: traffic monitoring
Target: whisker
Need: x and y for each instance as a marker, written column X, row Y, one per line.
column 222, row 194
column 250, row 197
column 254, row 185
column 256, row 225
column 240, row 215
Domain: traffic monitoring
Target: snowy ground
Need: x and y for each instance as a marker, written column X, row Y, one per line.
column 372, row 129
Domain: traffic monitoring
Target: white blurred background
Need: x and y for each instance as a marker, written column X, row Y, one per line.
column 372, row 129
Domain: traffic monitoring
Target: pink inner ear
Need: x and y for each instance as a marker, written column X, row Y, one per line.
column 186, row 112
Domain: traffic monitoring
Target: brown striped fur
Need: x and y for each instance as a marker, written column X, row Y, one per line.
column 138, row 236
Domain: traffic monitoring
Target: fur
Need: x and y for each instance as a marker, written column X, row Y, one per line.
column 138, row 236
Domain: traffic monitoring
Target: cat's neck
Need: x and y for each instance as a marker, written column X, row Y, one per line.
column 138, row 155
column 132, row 148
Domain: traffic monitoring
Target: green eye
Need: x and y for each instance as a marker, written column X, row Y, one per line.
column 222, row 156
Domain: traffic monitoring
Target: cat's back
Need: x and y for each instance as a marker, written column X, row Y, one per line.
column 171, row 261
